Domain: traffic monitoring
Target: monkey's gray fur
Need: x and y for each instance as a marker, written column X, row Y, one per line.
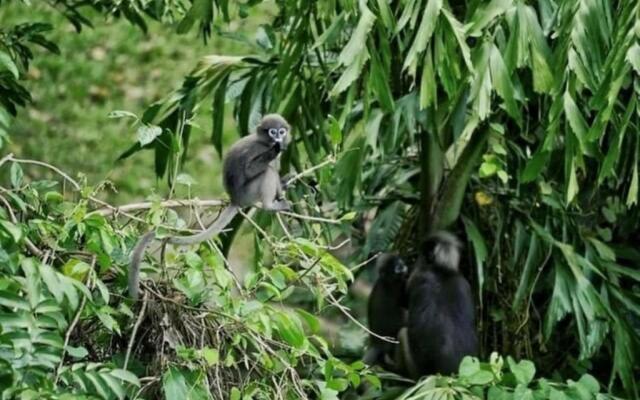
column 249, row 175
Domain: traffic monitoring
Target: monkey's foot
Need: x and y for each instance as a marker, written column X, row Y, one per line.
column 282, row 205
column 284, row 181
column 277, row 205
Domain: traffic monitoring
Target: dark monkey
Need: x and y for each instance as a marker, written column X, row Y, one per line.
column 250, row 175
column 441, row 323
column 387, row 309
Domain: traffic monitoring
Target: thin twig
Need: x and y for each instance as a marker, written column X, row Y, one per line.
column 75, row 184
column 257, row 227
column 32, row 247
column 365, row 262
column 145, row 205
column 336, row 247
column 73, row 324
column 6, row 158
column 345, row 311
column 310, row 218
column 330, row 160
column 135, row 329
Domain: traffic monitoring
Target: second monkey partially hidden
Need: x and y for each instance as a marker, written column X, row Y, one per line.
column 250, row 175
column 439, row 329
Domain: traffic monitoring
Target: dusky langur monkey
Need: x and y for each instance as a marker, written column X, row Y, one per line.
column 249, row 174
column 387, row 309
column 441, row 323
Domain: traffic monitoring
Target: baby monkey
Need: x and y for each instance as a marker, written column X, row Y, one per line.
column 249, row 175
column 387, row 309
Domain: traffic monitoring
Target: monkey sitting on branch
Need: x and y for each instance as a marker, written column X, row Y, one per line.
column 250, row 174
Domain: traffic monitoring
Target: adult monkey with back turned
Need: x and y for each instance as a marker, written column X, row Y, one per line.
column 441, row 326
column 249, row 173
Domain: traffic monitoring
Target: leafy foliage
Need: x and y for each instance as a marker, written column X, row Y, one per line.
column 520, row 117
column 499, row 380
column 522, row 114
column 199, row 333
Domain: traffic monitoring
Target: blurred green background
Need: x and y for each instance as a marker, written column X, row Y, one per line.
column 115, row 66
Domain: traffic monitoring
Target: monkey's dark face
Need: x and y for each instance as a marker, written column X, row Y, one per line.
column 275, row 128
column 392, row 268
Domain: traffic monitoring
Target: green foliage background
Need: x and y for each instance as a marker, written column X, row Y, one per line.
column 513, row 123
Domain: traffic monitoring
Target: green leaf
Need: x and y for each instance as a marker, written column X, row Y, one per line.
column 425, row 31
column 77, row 352
column 524, row 371
column 633, row 57
column 459, row 33
column 532, row 261
column 217, row 128
column 122, row 114
column 502, row 82
column 604, row 251
column 480, row 91
column 469, row 366
column 235, row 394
column 311, row 320
column 632, row 196
column 335, row 133
column 349, row 216
column 379, row 80
column 428, row 84
column 13, row 301
column 350, row 74
column 354, row 54
column 8, row 64
column 13, row 230
column 125, row 376
column 356, row 44
column 107, row 320
column 147, row 134
column 479, row 249
column 534, row 167
column 211, row 356
column 16, row 175
column 76, row 269
column 572, row 186
column 481, row 378
column 289, row 329
column 50, row 278
column 486, row 15
column 182, row 384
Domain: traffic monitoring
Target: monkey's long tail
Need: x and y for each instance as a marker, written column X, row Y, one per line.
column 138, row 251
column 223, row 220
column 136, row 258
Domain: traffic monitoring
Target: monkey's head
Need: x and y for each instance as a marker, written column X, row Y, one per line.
column 275, row 128
column 442, row 250
column 391, row 268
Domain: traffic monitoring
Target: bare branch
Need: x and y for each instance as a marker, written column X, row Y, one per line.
column 344, row 310
column 145, row 298
column 73, row 324
column 145, row 205
column 330, row 160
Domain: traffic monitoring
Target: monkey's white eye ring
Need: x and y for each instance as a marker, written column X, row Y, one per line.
column 282, row 131
column 272, row 131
